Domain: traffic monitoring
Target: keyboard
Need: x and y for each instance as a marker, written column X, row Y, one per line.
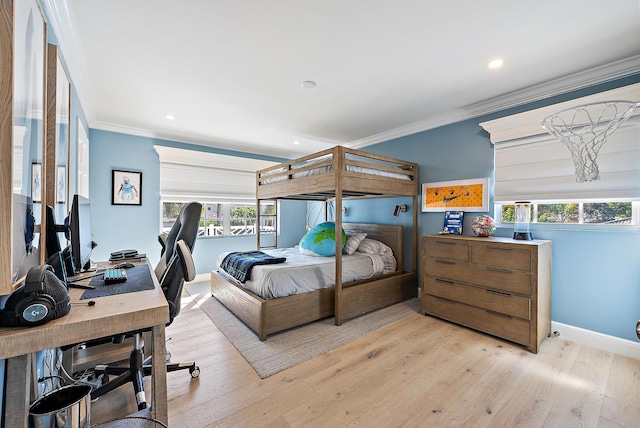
column 112, row 276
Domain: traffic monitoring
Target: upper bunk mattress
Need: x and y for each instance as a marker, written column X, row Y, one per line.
column 265, row 179
column 301, row 273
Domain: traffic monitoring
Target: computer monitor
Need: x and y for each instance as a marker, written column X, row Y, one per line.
column 52, row 241
column 80, row 233
column 58, row 258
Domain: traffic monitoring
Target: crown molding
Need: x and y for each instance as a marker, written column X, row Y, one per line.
column 196, row 140
column 584, row 79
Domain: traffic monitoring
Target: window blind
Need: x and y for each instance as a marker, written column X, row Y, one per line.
column 532, row 165
column 187, row 175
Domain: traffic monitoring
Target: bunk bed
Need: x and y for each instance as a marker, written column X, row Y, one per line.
column 335, row 175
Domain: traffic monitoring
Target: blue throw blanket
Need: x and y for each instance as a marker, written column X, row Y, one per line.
column 239, row 264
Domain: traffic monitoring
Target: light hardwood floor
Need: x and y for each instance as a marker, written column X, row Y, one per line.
column 419, row 372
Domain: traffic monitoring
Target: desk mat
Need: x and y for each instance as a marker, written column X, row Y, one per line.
column 138, row 279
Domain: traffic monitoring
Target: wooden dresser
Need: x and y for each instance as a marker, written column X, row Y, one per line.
column 496, row 285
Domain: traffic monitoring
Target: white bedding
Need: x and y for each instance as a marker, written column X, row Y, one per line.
column 302, row 273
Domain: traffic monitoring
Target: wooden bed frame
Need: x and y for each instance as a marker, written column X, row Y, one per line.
column 335, row 183
column 268, row 316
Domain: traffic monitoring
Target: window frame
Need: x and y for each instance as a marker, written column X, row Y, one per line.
column 535, row 225
column 226, row 218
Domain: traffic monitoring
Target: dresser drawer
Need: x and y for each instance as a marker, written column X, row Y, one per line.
column 500, row 279
column 510, row 257
column 446, row 249
column 503, row 326
column 507, row 304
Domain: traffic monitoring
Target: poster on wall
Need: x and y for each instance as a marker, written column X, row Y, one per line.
column 126, row 187
column 458, row 195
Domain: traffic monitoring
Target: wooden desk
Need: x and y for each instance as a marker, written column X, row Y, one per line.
column 109, row 316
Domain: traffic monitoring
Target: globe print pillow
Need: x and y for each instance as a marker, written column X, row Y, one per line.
column 321, row 240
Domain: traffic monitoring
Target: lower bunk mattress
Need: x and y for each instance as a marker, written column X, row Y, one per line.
column 301, row 273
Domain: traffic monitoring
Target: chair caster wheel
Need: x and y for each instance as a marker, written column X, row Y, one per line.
column 194, row 371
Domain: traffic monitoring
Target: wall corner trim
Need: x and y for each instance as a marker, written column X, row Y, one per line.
column 597, row 340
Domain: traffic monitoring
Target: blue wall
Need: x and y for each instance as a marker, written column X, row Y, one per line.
column 118, row 227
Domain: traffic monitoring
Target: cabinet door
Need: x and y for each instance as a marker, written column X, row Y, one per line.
column 22, row 128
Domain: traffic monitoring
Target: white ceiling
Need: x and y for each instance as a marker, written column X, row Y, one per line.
column 231, row 71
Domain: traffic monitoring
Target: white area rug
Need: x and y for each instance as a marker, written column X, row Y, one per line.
column 291, row 347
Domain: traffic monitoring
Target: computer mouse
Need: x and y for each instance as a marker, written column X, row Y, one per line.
column 124, row 265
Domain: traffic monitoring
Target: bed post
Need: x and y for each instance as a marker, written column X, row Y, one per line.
column 338, row 158
column 415, row 231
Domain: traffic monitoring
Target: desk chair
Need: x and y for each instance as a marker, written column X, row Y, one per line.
column 175, row 267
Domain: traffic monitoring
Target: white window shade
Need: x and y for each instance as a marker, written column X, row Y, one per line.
column 532, row 165
column 187, row 175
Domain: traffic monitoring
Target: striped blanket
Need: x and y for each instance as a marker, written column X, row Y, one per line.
column 239, row 264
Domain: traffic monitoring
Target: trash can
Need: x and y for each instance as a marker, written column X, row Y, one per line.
column 69, row 406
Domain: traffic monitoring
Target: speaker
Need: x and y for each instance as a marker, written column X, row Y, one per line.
column 42, row 298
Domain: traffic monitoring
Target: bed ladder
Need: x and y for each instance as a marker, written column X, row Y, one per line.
column 267, row 218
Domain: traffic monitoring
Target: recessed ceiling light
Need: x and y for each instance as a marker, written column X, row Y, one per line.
column 308, row 84
column 495, row 63
column 169, row 117
column 296, row 143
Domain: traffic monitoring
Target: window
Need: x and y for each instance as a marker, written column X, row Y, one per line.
column 594, row 213
column 225, row 186
column 225, row 219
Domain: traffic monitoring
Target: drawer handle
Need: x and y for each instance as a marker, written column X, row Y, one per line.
column 444, row 281
column 445, row 243
column 453, row 302
column 499, row 314
column 498, row 248
column 445, row 262
column 501, row 293
column 501, row 270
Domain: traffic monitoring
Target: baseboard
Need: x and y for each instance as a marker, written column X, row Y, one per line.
column 597, row 340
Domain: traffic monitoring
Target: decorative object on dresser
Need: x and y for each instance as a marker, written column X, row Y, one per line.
column 453, row 222
column 483, row 225
column 495, row 285
column 522, row 221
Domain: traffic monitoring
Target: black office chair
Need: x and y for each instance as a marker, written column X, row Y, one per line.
column 175, row 267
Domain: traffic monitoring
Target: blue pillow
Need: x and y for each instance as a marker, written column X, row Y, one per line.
column 321, row 240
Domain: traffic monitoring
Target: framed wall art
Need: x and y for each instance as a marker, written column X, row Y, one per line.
column 36, row 182
column 126, row 187
column 61, row 184
column 458, row 195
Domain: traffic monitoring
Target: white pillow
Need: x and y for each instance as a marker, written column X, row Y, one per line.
column 353, row 242
column 371, row 246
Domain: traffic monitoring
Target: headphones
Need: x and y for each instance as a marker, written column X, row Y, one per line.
column 36, row 307
column 43, row 297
